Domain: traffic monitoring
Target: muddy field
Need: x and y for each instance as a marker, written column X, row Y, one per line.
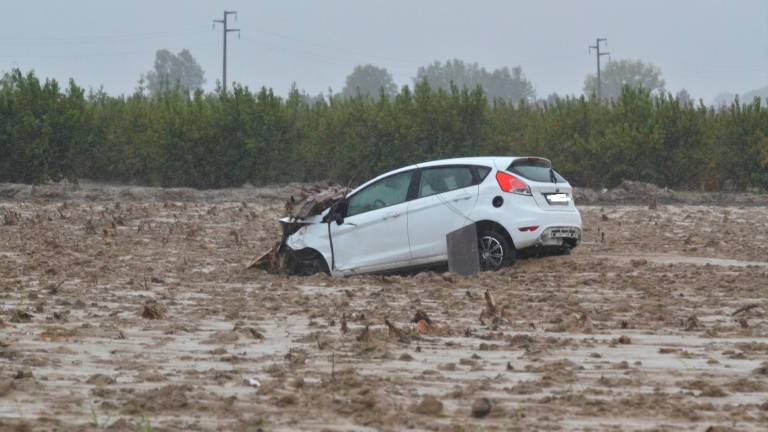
column 131, row 309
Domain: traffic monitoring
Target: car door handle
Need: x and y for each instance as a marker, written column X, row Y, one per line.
column 462, row 198
column 392, row 215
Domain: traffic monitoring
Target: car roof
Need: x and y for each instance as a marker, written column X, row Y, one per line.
column 480, row 160
column 489, row 161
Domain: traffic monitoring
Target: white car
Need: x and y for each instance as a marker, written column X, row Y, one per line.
column 401, row 219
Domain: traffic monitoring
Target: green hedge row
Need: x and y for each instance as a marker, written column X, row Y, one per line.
column 227, row 139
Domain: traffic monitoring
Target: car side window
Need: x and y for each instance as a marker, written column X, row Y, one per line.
column 384, row 193
column 443, row 179
column 482, row 171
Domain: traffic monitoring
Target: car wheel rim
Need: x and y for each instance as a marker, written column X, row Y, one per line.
column 491, row 252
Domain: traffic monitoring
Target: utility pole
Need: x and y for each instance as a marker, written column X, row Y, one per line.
column 596, row 47
column 225, row 31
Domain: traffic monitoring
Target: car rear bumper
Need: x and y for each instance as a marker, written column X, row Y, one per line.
column 552, row 228
column 557, row 235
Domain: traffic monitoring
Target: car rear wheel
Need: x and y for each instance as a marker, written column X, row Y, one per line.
column 495, row 251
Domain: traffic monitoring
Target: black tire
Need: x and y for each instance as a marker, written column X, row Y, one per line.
column 305, row 262
column 495, row 250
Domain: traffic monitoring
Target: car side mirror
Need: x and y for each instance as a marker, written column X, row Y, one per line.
column 337, row 212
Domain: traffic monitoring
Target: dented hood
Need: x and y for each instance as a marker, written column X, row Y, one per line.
column 305, row 221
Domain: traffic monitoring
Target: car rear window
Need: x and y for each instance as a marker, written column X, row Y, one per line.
column 538, row 170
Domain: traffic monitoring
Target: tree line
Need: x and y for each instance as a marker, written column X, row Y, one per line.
column 223, row 139
column 182, row 72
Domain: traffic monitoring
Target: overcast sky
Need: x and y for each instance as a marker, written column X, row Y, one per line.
column 705, row 46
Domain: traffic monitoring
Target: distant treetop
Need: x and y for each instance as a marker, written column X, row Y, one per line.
column 175, row 71
column 618, row 73
column 369, row 81
column 505, row 83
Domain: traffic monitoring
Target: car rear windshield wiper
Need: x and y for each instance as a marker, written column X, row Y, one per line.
column 552, row 176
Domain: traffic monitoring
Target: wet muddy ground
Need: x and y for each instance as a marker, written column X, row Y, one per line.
column 140, row 315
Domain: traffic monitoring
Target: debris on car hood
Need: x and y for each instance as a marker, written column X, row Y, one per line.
column 315, row 200
column 311, row 203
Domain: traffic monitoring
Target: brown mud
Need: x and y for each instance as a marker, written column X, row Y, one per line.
column 131, row 309
column 628, row 192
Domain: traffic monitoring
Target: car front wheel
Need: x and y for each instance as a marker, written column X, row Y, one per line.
column 495, row 251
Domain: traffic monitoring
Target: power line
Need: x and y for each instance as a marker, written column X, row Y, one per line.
column 357, row 54
column 309, row 54
column 96, row 38
column 225, row 31
column 596, row 47
column 70, row 56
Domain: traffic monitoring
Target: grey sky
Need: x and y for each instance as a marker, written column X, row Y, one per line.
column 705, row 46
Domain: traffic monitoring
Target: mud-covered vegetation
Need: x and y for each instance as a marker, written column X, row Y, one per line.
column 213, row 140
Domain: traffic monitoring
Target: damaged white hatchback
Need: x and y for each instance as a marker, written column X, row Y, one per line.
column 400, row 219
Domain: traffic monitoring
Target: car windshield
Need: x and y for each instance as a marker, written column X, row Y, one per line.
column 538, row 170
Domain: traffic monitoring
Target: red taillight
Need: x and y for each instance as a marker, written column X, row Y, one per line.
column 529, row 228
column 510, row 183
